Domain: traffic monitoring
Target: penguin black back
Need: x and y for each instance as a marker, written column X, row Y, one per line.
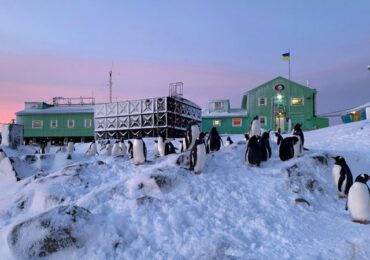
column 265, row 146
column 286, row 149
column 214, row 140
column 253, row 152
column 345, row 174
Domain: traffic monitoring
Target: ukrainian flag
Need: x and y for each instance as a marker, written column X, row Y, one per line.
column 286, row 56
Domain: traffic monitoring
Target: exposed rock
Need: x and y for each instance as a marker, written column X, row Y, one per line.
column 145, row 200
column 302, row 200
column 323, row 159
column 161, row 180
column 60, row 228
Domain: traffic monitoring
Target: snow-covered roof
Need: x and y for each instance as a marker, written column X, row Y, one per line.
column 233, row 112
column 356, row 108
column 69, row 109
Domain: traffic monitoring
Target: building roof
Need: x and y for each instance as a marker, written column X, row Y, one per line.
column 61, row 109
column 356, row 108
column 234, row 112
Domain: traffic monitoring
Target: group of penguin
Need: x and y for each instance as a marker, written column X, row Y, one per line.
column 357, row 193
column 259, row 149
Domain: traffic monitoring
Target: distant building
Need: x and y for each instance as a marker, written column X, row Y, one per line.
column 147, row 117
column 11, row 135
column 356, row 114
column 58, row 121
column 279, row 103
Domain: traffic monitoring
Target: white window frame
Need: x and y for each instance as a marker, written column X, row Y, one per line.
column 41, row 125
column 214, row 120
column 73, row 123
column 241, row 122
column 259, row 101
column 291, row 103
column 265, row 119
column 88, row 123
column 51, row 123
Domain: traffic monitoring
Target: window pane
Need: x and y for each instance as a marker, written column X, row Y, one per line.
column 218, row 105
column 87, row 123
column 237, row 122
column 216, row 122
column 53, row 123
column 36, row 123
column 297, row 101
column 70, row 123
column 262, row 102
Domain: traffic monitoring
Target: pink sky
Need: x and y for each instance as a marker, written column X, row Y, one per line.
column 39, row 78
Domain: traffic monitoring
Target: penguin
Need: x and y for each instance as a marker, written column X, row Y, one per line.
column 156, row 151
column 169, row 148
column 298, row 131
column 286, row 149
column 214, row 140
column 278, row 138
column 161, row 145
column 253, row 153
column 108, row 148
column 92, row 149
column 70, row 149
column 195, row 132
column 229, row 141
column 130, row 149
column 246, row 137
column 139, row 151
column 297, row 146
column 342, row 176
column 187, row 138
column 123, row 147
column 42, row 149
column 48, row 146
column 183, row 146
column 264, row 143
column 198, row 155
column 116, row 150
column 255, row 128
column 358, row 201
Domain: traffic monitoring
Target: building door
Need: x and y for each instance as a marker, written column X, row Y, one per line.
column 280, row 123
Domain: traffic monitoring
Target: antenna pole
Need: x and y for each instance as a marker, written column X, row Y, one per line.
column 110, row 86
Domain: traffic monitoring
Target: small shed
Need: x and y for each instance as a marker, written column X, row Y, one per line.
column 356, row 114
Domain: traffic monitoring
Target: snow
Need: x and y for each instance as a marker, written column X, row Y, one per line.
column 159, row 210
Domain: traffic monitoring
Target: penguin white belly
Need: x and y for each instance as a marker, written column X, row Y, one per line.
column 161, row 147
column 108, row 150
column 201, row 158
column 336, row 175
column 184, row 147
column 123, row 148
column 297, row 148
column 70, row 148
column 92, row 150
column 116, row 151
column 194, row 135
column 138, row 152
column 255, row 128
column 359, row 201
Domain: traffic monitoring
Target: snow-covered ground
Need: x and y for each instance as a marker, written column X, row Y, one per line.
column 281, row 210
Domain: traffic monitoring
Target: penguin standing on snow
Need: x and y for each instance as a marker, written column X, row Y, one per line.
column 108, row 148
column 92, row 149
column 156, row 151
column 195, row 132
column 229, row 141
column 130, row 149
column 287, row 148
column 161, row 145
column 198, row 155
column 265, row 146
column 359, row 200
column 298, row 131
column 70, row 149
column 253, row 153
column 123, row 147
column 278, row 138
column 342, row 176
column 42, row 149
column 214, row 140
column 139, row 151
column 116, row 150
column 255, row 128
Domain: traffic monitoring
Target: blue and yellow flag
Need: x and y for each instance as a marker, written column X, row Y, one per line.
column 286, row 56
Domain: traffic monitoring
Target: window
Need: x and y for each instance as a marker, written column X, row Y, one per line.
column 263, row 120
column 217, row 122
column 296, row 101
column 237, row 122
column 53, row 123
column 70, row 123
column 37, row 123
column 262, row 102
column 219, row 105
column 87, row 123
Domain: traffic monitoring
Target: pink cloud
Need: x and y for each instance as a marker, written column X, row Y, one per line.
column 39, row 78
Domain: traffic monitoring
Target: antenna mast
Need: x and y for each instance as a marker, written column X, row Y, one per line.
column 110, row 83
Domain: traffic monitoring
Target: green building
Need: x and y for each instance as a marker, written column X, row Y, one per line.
column 56, row 122
column 279, row 103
